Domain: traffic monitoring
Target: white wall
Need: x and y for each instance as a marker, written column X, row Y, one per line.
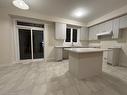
column 7, row 49
column 6, row 53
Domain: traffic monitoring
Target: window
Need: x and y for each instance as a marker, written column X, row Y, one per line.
column 68, row 35
column 74, row 35
column 71, row 35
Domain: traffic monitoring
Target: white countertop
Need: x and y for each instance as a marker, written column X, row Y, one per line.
column 70, row 46
column 85, row 50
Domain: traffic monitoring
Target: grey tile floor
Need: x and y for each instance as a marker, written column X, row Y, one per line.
column 53, row 78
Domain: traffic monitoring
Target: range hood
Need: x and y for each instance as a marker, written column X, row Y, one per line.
column 105, row 33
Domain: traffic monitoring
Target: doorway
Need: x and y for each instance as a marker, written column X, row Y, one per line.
column 31, row 43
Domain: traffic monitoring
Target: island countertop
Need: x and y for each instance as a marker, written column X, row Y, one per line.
column 85, row 50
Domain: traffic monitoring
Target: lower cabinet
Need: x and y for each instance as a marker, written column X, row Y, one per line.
column 113, row 56
column 59, row 54
column 105, row 57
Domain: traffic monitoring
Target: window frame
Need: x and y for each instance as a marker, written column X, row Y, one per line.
column 78, row 35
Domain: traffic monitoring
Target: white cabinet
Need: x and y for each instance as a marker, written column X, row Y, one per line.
column 59, row 54
column 113, row 56
column 84, row 33
column 116, row 28
column 105, row 27
column 108, row 25
column 102, row 28
column 96, row 28
column 92, row 32
column 105, row 57
column 60, row 31
column 123, row 22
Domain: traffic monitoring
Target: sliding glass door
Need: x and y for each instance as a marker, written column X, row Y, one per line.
column 25, row 44
column 31, row 44
column 38, row 44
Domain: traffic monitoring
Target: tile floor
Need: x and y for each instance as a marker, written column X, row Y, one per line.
column 53, row 78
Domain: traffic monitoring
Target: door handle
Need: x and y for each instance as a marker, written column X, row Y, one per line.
column 42, row 44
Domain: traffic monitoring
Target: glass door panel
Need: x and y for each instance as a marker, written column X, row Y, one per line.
column 68, row 35
column 38, row 44
column 74, row 35
column 25, row 44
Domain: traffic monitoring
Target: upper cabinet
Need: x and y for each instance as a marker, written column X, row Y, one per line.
column 60, row 31
column 110, row 28
column 105, row 27
column 116, row 28
column 93, row 31
column 123, row 22
column 101, row 28
column 84, row 33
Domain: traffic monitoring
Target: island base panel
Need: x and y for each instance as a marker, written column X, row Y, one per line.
column 85, row 65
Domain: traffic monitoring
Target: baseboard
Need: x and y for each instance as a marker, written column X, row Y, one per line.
column 123, row 66
column 7, row 64
column 51, row 60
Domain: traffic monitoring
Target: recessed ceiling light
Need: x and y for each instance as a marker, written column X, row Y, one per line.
column 80, row 12
column 21, row 4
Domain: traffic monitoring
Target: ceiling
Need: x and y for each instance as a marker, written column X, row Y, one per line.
column 64, row 8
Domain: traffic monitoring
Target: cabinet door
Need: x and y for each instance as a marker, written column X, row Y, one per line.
column 102, row 28
column 115, row 28
column 110, row 56
column 123, row 22
column 60, row 31
column 84, row 33
column 108, row 25
column 59, row 54
column 95, row 32
column 91, row 30
column 105, row 57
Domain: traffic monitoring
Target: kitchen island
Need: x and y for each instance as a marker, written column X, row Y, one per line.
column 60, row 50
column 85, row 62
